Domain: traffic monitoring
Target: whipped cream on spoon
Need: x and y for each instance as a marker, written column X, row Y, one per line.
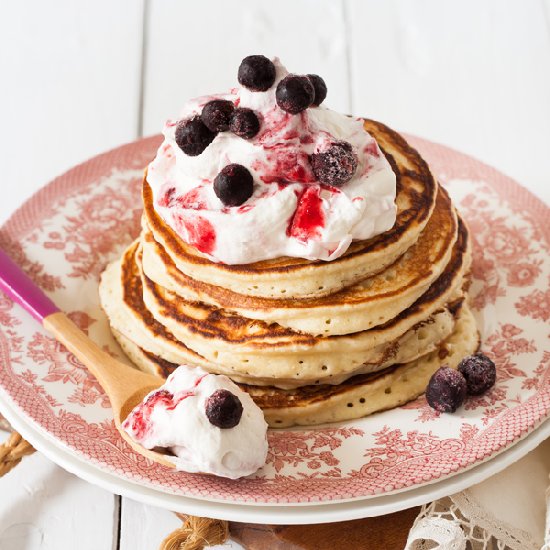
column 205, row 420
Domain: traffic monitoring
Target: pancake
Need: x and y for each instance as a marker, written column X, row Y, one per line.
column 366, row 394
column 367, row 304
column 359, row 396
column 293, row 277
column 311, row 341
column 292, row 359
column 144, row 360
column 380, row 297
column 121, row 299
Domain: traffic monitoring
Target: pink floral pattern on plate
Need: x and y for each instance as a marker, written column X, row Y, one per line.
column 68, row 232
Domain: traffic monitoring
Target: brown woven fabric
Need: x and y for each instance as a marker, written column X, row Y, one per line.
column 196, row 533
column 12, row 451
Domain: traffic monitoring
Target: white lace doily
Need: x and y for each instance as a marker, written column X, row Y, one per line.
column 510, row 511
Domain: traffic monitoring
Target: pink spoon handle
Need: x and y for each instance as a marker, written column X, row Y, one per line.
column 17, row 285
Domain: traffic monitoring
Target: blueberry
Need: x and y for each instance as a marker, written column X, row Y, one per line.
column 446, row 390
column 233, row 185
column 224, row 409
column 479, row 371
column 336, row 165
column 294, row 93
column 193, row 137
column 244, row 123
column 257, row 73
column 320, row 89
column 216, row 115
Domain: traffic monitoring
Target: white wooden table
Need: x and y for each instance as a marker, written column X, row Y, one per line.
column 78, row 78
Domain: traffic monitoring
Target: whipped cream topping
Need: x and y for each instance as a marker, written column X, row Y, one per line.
column 290, row 213
column 174, row 417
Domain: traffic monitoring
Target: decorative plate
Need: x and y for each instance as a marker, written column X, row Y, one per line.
column 66, row 234
column 274, row 514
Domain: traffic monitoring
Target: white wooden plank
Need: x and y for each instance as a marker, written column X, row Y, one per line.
column 70, row 87
column 474, row 75
column 45, row 508
column 144, row 527
column 546, row 7
column 195, row 48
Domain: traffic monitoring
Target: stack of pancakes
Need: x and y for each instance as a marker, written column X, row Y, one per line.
column 311, row 341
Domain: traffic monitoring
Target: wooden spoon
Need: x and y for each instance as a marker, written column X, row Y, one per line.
column 125, row 386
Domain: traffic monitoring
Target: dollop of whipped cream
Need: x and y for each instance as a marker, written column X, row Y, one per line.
column 290, row 213
column 174, row 417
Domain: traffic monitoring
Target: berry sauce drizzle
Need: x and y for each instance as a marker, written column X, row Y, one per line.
column 309, row 217
column 194, row 199
column 166, row 200
column 285, row 165
column 139, row 419
column 200, row 232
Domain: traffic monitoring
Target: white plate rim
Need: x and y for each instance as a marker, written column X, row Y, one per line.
column 288, row 514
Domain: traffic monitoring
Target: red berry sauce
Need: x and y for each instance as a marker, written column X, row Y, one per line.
column 274, row 128
column 286, row 164
column 193, row 199
column 139, row 420
column 372, row 149
column 372, row 153
column 200, row 232
column 309, row 218
column 166, row 200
